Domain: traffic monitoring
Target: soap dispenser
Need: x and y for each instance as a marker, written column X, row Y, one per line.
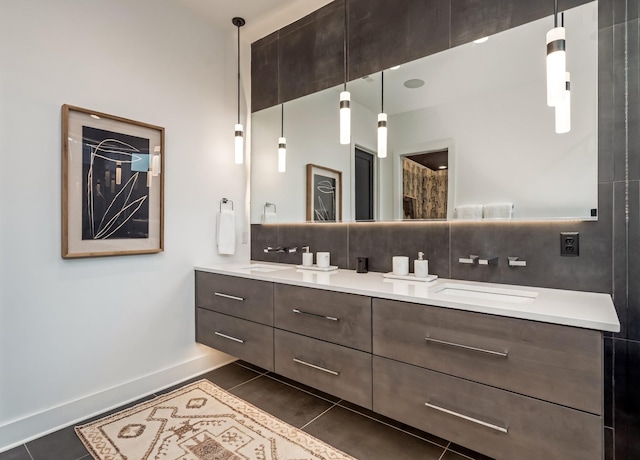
column 307, row 257
column 421, row 266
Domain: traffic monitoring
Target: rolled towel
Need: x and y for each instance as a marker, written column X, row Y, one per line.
column 226, row 235
column 469, row 211
column 269, row 217
column 498, row 211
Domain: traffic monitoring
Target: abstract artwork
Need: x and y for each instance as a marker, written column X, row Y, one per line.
column 324, row 194
column 112, row 197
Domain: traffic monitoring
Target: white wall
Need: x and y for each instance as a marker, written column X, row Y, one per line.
column 77, row 336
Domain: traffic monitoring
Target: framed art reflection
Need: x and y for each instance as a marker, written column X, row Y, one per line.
column 324, row 194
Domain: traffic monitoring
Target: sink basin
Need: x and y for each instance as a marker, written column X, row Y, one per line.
column 470, row 292
column 263, row 268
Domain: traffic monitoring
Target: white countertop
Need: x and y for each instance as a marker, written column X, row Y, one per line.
column 571, row 308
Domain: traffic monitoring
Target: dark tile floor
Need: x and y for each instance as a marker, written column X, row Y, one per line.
column 356, row 431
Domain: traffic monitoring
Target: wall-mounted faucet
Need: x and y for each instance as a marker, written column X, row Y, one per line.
column 516, row 262
column 488, row 261
column 280, row 249
column 471, row 260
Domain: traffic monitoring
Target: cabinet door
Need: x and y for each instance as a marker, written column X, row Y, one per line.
column 336, row 317
column 243, row 339
column 560, row 364
column 498, row 423
column 239, row 297
column 334, row 369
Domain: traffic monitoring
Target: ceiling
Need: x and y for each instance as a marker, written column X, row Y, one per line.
column 262, row 16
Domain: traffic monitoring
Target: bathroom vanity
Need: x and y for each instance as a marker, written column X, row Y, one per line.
column 508, row 371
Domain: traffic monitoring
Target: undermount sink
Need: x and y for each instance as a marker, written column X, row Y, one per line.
column 263, row 268
column 465, row 291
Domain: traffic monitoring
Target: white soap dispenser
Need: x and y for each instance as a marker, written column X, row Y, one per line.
column 307, row 257
column 421, row 266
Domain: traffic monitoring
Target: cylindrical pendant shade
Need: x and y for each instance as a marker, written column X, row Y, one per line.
column 239, row 144
column 282, row 154
column 556, row 65
column 563, row 109
column 382, row 135
column 118, row 173
column 345, row 117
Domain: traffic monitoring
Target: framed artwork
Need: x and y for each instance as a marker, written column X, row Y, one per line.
column 324, row 194
column 112, row 185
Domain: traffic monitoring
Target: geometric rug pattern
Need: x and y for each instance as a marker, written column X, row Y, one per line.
column 200, row 421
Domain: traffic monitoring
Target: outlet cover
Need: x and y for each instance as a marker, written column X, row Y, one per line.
column 570, row 244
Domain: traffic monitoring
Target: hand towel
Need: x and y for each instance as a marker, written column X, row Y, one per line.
column 498, row 210
column 469, row 211
column 269, row 217
column 226, row 237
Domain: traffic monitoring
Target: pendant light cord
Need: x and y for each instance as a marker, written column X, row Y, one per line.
column 238, row 73
column 555, row 14
column 382, row 93
column 282, row 121
column 345, row 46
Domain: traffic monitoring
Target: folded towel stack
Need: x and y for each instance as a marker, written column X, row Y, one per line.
column 226, row 235
column 469, row 211
column 498, row 211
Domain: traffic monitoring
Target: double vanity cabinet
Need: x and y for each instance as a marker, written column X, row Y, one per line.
column 513, row 378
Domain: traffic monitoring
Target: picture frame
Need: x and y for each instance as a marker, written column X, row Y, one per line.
column 113, row 173
column 324, row 194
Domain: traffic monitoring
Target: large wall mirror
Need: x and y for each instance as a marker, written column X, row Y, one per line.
column 468, row 127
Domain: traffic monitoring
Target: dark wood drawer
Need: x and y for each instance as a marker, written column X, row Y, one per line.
column 498, row 423
column 560, row 364
column 243, row 339
column 239, row 297
column 334, row 369
column 336, row 317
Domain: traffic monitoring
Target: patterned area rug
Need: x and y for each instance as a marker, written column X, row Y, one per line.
column 200, row 422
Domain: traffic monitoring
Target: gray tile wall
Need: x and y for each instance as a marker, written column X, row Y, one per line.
column 610, row 248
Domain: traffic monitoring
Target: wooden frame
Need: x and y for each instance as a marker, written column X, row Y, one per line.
column 113, row 173
column 324, row 194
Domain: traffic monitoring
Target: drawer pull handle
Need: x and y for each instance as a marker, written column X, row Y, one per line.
column 227, row 296
column 228, row 337
column 466, row 417
column 467, row 347
column 315, row 315
column 304, row 363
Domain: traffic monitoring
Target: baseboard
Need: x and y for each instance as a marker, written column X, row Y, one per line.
column 33, row 426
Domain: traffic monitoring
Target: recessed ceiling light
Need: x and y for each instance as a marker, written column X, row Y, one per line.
column 481, row 40
column 395, row 67
column 414, row 83
column 96, row 117
column 442, row 167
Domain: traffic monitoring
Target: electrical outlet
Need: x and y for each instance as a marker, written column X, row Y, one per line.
column 570, row 244
column 245, row 237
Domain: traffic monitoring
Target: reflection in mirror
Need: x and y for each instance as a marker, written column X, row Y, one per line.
column 425, row 185
column 483, row 103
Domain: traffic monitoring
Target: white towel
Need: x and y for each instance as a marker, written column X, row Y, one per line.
column 498, row 211
column 469, row 211
column 226, row 237
column 269, row 217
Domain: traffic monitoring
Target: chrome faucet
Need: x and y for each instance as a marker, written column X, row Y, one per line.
column 516, row 262
column 472, row 260
column 280, row 249
column 488, row 261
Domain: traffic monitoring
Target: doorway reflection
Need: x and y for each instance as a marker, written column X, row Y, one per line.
column 425, row 178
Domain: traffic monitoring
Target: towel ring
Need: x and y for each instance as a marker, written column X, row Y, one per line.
column 267, row 205
column 225, row 201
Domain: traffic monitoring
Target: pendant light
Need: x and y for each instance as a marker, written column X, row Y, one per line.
column 382, row 123
column 556, row 60
column 563, row 108
column 282, row 144
column 345, row 96
column 239, row 129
